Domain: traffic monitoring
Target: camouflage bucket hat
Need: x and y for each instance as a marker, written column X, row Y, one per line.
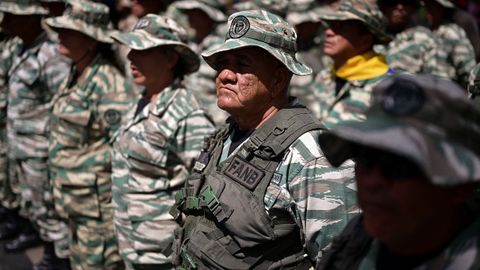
column 89, row 18
column 367, row 12
column 446, row 3
column 23, row 7
column 278, row 7
column 154, row 31
column 212, row 8
column 260, row 28
column 425, row 119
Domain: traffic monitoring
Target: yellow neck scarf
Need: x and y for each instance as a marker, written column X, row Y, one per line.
column 362, row 67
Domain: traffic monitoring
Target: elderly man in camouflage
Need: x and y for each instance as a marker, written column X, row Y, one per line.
column 88, row 110
column 414, row 49
column 417, row 168
column 474, row 84
column 207, row 19
column 455, row 47
column 34, row 77
column 260, row 195
column 344, row 91
column 155, row 150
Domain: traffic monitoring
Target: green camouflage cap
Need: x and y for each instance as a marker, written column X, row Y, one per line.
column 301, row 11
column 366, row 11
column 260, row 28
column 89, row 18
column 446, row 3
column 212, row 8
column 154, row 31
column 278, row 7
column 423, row 118
column 23, row 7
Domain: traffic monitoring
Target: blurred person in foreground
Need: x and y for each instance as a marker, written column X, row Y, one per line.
column 417, row 168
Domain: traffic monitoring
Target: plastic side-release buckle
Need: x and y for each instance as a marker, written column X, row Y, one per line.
column 210, row 201
column 187, row 261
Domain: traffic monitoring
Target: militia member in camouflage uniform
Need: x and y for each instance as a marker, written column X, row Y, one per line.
column 414, row 49
column 304, row 16
column 207, row 19
column 87, row 112
column 455, row 47
column 417, row 166
column 261, row 195
column 344, row 91
column 155, row 150
column 33, row 79
column 474, row 84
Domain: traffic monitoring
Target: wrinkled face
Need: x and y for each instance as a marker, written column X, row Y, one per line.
column 398, row 202
column 74, row 44
column 398, row 13
column 345, row 39
column 147, row 65
column 244, row 79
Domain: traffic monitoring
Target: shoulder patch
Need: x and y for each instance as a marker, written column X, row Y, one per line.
column 244, row 173
column 112, row 117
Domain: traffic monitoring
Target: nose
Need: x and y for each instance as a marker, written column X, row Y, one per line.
column 131, row 55
column 227, row 76
column 329, row 32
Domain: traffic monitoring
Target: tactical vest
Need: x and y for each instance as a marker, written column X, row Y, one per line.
column 226, row 225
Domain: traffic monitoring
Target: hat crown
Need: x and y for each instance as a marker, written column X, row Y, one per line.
column 263, row 26
column 366, row 11
column 90, row 12
column 161, row 27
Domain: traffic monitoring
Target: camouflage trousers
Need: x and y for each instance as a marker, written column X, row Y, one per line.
column 142, row 244
column 29, row 180
column 93, row 244
column 8, row 199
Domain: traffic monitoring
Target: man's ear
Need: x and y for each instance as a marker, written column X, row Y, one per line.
column 173, row 58
column 281, row 80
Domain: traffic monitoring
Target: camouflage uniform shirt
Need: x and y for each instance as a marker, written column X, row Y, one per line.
column 474, row 84
column 416, row 50
column 153, row 154
column 86, row 114
column 34, row 78
column 457, row 52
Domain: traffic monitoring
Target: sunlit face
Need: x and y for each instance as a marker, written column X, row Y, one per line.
column 398, row 202
column 148, row 66
column 74, row 44
column 345, row 39
column 243, row 80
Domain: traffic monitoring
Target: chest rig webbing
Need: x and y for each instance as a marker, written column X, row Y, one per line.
column 227, row 226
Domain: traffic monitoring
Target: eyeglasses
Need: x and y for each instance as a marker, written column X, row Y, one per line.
column 394, row 167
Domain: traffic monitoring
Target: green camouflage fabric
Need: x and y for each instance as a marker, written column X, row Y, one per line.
column 367, row 12
column 265, row 30
column 319, row 197
column 430, row 121
column 416, row 50
column 202, row 82
column 153, row 155
column 474, row 84
column 86, row 114
column 34, row 78
column 301, row 11
column 457, row 52
column 89, row 18
column 213, row 8
column 349, row 103
column 154, row 31
column 278, row 7
column 23, row 7
column 10, row 48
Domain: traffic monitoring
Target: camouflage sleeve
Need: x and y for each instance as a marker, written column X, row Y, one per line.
column 321, row 198
column 55, row 70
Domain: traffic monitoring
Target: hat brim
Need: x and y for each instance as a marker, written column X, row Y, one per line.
column 289, row 61
column 440, row 160
column 17, row 9
column 141, row 40
column 381, row 35
column 214, row 14
column 97, row 33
